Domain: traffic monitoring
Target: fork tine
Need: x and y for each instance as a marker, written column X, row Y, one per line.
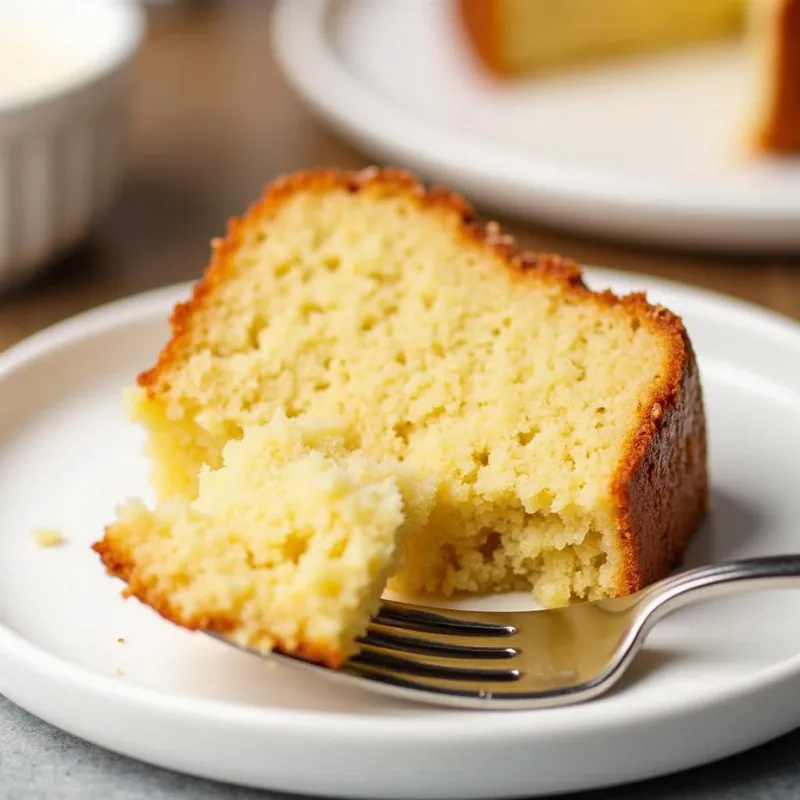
column 428, row 660
column 439, row 640
column 431, row 667
column 469, row 694
column 430, row 690
column 420, row 645
column 453, row 623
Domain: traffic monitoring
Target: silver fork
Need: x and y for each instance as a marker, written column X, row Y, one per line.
column 532, row 659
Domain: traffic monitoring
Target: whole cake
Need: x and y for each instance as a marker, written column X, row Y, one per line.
column 522, row 37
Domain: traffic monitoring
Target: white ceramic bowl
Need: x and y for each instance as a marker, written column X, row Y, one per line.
column 63, row 104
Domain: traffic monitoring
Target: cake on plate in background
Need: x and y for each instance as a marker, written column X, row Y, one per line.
column 529, row 37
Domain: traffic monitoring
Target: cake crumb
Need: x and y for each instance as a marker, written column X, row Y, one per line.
column 48, row 537
column 119, row 672
column 120, row 640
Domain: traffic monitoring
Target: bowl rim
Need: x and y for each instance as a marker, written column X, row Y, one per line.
column 133, row 23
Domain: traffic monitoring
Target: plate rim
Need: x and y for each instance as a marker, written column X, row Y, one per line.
column 142, row 306
column 308, row 59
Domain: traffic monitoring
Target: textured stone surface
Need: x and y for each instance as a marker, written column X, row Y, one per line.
column 40, row 762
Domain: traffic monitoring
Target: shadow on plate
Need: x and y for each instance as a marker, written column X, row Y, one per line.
column 648, row 661
column 726, row 533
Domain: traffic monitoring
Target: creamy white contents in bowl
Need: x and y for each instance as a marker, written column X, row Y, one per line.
column 51, row 46
column 35, row 66
column 64, row 69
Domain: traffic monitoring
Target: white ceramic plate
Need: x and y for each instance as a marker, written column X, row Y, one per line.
column 713, row 680
column 646, row 149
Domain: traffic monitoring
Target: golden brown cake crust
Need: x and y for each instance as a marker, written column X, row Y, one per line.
column 661, row 484
column 118, row 563
column 781, row 128
column 479, row 22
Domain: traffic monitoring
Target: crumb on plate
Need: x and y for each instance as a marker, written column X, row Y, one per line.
column 48, row 537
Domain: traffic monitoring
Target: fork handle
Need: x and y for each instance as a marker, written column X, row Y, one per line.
column 719, row 580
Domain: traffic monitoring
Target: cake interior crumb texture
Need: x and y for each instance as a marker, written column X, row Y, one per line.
column 287, row 545
column 563, row 429
column 545, row 33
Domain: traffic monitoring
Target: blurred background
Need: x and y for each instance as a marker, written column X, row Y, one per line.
column 209, row 120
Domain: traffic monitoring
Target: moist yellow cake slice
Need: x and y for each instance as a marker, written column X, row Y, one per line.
column 531, row 37
column 563, row 429
column 288, row 545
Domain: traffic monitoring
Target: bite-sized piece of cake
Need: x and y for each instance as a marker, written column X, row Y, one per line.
column 564, row 429
column 287, row 545
column 531, row 37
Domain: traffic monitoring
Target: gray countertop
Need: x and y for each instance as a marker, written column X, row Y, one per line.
column 38, row 761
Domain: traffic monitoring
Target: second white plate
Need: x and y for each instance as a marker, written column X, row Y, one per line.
column 646, row 149
column 713, row 679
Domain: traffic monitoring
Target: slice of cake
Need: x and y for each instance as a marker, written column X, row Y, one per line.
column 287, row 546
column 563, row 429
column 531, row 37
